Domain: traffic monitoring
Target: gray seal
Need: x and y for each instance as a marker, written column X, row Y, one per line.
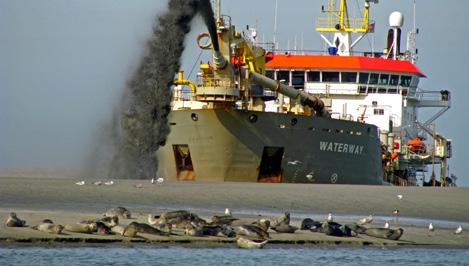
column 85, row 228
column 49, row 228
column 147, row 229
column 118, row 211
column 251, row 231
column 285, row 228
column 14, row 221
column 386, row 233
column 250, row 244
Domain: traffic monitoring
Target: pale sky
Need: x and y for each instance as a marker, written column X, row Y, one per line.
column 64, row 64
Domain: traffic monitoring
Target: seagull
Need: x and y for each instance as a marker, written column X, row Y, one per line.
column 295, row 162
column 160, row 180
column 329, row 218
column 98, row 183
column 431, row 228
column 152, row 219
column 399, row 196
column 153, row 181
column 458, row 230
column 227, row 212
column 365, row 220
column 386, row 225
column 109, row 183
column 81, row 183
column 396, row 212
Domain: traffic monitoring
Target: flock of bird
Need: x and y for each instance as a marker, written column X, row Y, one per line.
column 158, row 181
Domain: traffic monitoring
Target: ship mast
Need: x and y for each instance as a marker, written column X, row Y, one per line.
column 339, row 23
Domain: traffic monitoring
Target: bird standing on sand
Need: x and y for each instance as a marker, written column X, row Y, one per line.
column 330, row 218
column 431, row 228
column 399, row 196
column 365, row 220
column 109, row 183
column 228, row 212
column 386, row 225
column 152, row 181
column 458, row 230
column 160, row 181
column 80, row 183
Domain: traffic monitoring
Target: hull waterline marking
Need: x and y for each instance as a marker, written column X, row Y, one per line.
column 340, row 147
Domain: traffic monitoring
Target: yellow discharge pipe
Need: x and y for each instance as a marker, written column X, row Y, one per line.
column 182, row 81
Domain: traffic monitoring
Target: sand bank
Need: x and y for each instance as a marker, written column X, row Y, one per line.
column 65, row 202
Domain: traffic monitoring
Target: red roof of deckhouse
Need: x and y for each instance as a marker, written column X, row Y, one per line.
column 359, row 63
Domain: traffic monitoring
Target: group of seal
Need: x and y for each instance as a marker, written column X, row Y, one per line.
column 249, row 234
column 331, row 228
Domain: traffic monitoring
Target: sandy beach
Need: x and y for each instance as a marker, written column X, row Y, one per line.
column 60, row 199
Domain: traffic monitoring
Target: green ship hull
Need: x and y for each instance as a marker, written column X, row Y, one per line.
column 250, row 146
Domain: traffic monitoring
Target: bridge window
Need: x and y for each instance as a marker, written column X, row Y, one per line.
column 330, row 76
column 382, row 90
column 378, row 111
column 384, row 79
column 371, row 90
column 394, row 80
column 362, row 89
column 283, row 75
column 405, row 81
column 349, row 77
column 269, row 74
column 313, row 76
column 373, row 78
column 363, row 78
column 298, row 79
column 392, row 91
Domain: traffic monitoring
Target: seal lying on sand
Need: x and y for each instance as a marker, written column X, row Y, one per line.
column 118, row 211
column 264, row 224
column 251, row 231
column 223, row 219
column 49, row 228
column 308, row 224
column 180, row 219
column 336, row 229
column 14, row 221
column 285, row 219
column 124, row 230
column 103, row 229
column 386, row 233
column 210, row 230
column 250, row 244
column 147, row 229
column 110, row 221
column 85, row 228
column 285, row 228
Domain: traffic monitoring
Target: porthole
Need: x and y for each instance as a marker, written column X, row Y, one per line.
column 194, row 117
column 294, row 121
column 252, row 118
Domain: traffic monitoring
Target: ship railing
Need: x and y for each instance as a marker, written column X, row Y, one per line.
column 271, row 47
column 224, row 82
column 353, row 24
column 437, row 96
column 182, row 94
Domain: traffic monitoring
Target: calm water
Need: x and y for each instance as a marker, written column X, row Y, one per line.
column 176, row 255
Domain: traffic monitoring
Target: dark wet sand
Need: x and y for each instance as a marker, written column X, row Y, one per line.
column 65, row 202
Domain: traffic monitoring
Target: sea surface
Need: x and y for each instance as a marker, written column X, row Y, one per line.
column 273, row 255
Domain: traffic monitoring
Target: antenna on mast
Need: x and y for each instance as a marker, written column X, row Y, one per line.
column 411, row 36
column 275, row 25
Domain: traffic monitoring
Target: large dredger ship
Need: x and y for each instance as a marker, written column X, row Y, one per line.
column 264, row 115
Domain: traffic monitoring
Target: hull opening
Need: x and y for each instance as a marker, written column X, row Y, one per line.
column 270, row 169
column 184, row 166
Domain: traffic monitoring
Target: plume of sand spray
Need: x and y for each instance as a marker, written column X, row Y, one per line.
column 143, row 115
